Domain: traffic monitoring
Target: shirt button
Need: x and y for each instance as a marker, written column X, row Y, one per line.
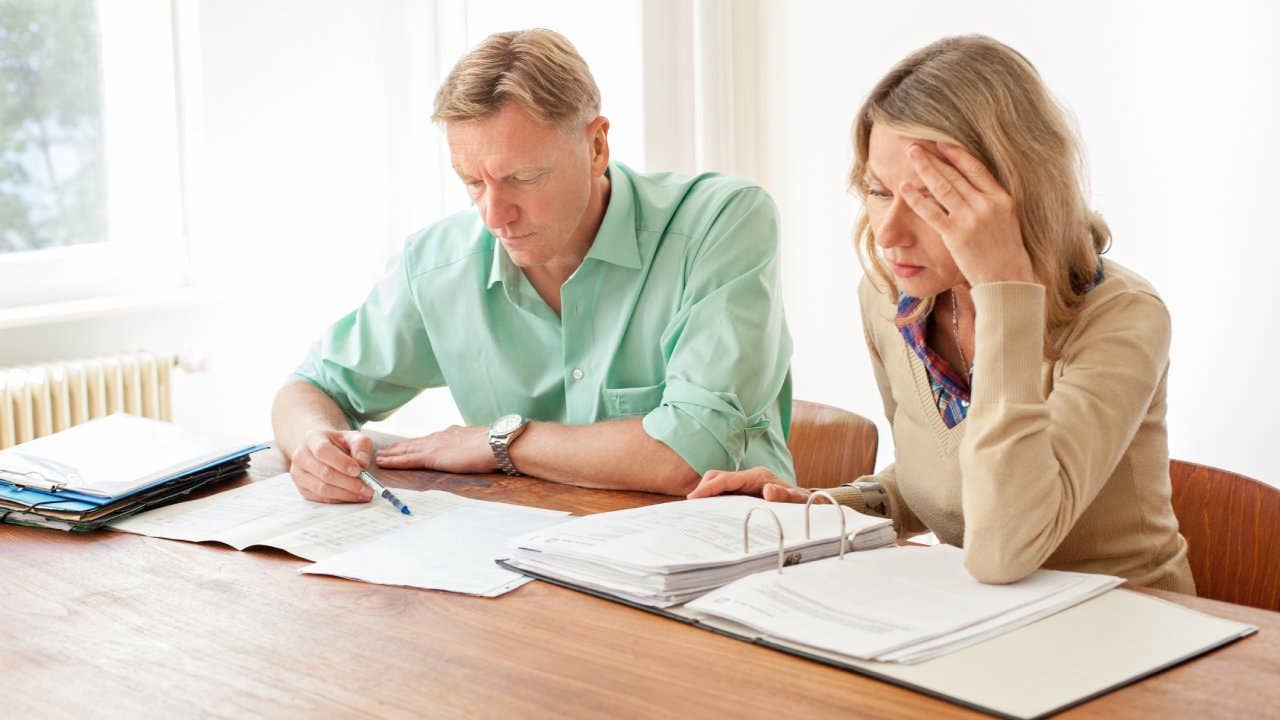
column 577, row 373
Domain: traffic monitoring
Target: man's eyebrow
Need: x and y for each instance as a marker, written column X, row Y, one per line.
column 526, row 170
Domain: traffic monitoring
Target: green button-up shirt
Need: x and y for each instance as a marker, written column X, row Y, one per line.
column 675, row 314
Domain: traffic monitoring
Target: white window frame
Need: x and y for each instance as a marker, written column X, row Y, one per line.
column 145, row 251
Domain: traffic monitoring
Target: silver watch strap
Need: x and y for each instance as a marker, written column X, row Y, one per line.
column 501, row 451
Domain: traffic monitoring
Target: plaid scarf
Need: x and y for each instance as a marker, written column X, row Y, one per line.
column 951, row 389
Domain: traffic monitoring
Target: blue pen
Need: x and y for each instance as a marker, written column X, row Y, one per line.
column 379, row 489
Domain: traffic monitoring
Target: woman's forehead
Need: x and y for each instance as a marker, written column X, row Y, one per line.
column 887, row 152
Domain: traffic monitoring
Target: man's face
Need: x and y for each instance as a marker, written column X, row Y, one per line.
column 530, row 182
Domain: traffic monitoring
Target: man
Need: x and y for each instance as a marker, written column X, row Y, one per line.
column 596, row 326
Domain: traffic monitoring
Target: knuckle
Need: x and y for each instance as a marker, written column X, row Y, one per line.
column 333, row 477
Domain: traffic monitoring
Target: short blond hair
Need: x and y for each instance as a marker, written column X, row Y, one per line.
column 984, row 96
column 539, row 69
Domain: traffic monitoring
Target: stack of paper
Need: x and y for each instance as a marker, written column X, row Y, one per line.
column 901, row 605
column 663, row 555
column 108, row 468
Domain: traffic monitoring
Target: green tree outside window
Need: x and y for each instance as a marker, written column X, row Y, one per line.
column 52, row 181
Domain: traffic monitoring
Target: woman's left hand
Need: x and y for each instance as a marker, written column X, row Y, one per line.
column 977, row 219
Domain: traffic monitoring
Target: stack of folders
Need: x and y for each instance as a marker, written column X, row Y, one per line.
column 663, row 555
column 902, row 605
column 110, row 468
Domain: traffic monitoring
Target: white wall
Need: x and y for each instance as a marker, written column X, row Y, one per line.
column 310, row 158
column 1178, row 107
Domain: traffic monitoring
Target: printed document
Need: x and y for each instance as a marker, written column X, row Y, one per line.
column 454, row 552
column 894, row 604
column 448, row 553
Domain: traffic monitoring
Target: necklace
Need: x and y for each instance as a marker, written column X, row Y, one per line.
column 955, row 331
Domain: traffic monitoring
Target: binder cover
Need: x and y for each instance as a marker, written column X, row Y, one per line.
column 1036, row 671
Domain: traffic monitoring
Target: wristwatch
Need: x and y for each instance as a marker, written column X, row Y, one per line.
column 503, row 432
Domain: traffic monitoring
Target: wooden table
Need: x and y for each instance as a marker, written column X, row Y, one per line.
column 116, row 625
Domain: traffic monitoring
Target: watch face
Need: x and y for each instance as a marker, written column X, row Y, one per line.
column 506, row 424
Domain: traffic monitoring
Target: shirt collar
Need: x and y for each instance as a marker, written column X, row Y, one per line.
column 616, row 242
column 501, row 269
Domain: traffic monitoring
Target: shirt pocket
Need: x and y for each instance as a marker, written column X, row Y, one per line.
column 629, row 402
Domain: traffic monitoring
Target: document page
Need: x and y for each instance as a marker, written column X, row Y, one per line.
column 244, row 516
column 326, row 537
column 691, row 534
column 870, row 604
column 454, row 552
column 273, row 513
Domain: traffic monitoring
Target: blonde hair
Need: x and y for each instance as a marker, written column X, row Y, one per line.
column 540, row 69
column 984, row 96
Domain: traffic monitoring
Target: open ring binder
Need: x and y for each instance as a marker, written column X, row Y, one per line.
column 746, row 521
column 844, row 535
column 746, row 537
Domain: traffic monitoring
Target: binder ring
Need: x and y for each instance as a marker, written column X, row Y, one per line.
column 844, row 537
column 746, row 535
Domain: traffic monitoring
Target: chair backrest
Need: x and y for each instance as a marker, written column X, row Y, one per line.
column 1232, row 526
column 830, row 446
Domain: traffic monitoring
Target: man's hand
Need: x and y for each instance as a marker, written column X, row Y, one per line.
column 326, row 467
column 454, row 449
column 757, row 481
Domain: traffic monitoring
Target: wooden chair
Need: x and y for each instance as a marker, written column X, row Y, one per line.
column 830, row 446
column 1232, row 525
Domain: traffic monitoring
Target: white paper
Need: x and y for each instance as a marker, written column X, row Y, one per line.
column 272, row 513
column 692, row 534
column 114, row 455
column 454, row 552
column 871, row 604
column 252, row 514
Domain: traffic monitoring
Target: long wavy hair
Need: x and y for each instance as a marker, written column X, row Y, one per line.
column 984, row 96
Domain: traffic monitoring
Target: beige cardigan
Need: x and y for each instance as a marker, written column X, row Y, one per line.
column 1061, row 464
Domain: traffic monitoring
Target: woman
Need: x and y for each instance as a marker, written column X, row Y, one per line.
column 1023, row 376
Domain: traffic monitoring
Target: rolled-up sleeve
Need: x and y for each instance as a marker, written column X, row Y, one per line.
column 378, row 357
column 728, row 350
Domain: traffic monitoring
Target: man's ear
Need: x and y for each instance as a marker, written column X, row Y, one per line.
column 598, row 139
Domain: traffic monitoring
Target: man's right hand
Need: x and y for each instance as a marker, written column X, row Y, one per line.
column 326, row 468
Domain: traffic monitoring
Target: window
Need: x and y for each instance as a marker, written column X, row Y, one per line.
column 51, row 154
column 90, row 193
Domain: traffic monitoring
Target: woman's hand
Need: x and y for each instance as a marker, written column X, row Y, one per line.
column 757, row 481
column 966, row 205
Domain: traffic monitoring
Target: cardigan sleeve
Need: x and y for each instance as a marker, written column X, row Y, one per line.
column 1030, row 464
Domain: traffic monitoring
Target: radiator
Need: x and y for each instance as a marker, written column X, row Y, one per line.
column 42, row 399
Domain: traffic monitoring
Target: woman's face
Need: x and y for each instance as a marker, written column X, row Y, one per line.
column 921, row 264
